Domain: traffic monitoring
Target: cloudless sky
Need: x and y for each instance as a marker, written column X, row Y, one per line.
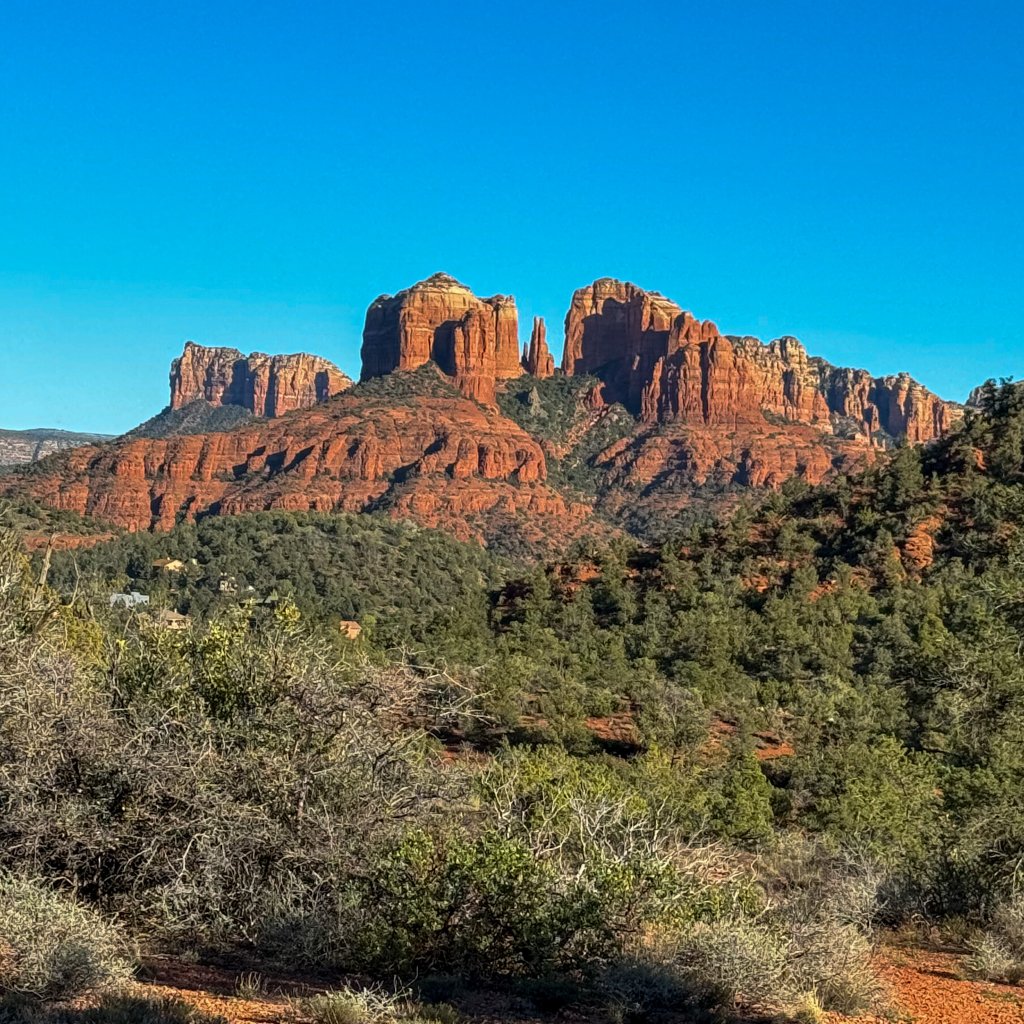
column 254, row 174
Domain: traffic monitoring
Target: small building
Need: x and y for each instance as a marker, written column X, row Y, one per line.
column 350, row 629
column 227, row 584
column 169, row 619
column 169, row 564
column 133, row 599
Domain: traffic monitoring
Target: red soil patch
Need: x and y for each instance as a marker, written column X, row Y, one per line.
column 767, row 746
column 919, row 547
column 615, row 728
column 927, row 988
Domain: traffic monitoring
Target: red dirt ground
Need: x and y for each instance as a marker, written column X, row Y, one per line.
column 928, row 989
column 926, row 986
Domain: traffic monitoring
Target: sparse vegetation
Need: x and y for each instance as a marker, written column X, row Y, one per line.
column 52, row 948
column 197, row 417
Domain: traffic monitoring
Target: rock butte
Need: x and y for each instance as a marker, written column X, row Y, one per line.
column 473, row 341
column 441, row 461
column 265, row 385
column 706, row 408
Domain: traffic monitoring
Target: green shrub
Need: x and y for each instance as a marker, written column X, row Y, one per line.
column 762, row 963
column 484, row 905
column 732, row 960
column 114, row 1008
column 998, row 954
column 373, row 1006
column 992, row 959
column 142, row 1009
column 53, row 948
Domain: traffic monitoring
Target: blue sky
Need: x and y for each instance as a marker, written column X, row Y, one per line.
column 254, row 174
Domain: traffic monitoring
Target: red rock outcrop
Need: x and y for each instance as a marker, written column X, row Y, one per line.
column 617, row 331
column 443, row 461
column 707, row 415
column 473, row 341
column 537, row 359
column 664, row 365
column 265, row 385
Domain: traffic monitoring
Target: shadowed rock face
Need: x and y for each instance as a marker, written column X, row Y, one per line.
column 265, row 385
column 473, row 341
column 665, row 366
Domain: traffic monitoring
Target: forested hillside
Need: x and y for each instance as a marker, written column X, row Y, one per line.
column 697, row 777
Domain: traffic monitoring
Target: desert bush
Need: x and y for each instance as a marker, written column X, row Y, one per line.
column 113, row 1008
column 213, row 788
column 373, row 1006
column 998, row 953
column 563, row 866
column 126, row 1008
column 732, row 961
column 53, row 948
column 489, row 905
column 991, row 959
column 769, row 963
column 346, row 1008
column 643, row 982
column 831, row 962
column 812, row 881
column 804, row 942
column 250, row 985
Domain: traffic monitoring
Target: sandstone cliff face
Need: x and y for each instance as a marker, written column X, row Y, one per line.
column 708, row 414
column 473, row 341
column 265, row 385
column 442, row 461
column 665, row 366
column 537, row 359
column 617, row 332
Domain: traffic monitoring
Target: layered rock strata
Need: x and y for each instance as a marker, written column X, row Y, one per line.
column 442, row 461
column 665, row 365
column 265, row 385
column 473, row 341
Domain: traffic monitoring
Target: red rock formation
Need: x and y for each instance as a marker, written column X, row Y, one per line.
column 442, row 461
column 665, row 366
column 897, row 405
column 709, row 414
column 265, row 385
column 473, row 341
column 617, row 332
column 537, row 360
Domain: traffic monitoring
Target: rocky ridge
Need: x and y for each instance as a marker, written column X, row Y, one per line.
column 442, row 459
column 653, row 411
column 18, row 447
column 665, row 365
column 264, row 385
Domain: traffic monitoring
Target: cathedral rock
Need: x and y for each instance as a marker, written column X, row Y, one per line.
column 473, row 341
column 265, row 385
